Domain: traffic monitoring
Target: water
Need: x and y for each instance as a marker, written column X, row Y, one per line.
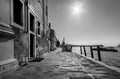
column 110, row 58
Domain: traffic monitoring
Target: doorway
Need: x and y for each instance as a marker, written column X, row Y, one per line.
column 32, row 45
column 32, row 35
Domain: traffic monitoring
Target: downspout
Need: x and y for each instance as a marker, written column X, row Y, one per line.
column 43, row 17
column 26, row 23
column 43, row 14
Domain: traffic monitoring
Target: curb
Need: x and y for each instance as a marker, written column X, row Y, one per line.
column 103, row 64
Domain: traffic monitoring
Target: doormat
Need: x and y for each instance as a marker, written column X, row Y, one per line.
column 37, row 60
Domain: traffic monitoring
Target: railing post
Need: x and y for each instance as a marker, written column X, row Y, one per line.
column 99, row 55
column 84, row 51
column 81, row 50
column 91, row 52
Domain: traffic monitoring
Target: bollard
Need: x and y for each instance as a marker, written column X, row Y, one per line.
column 91, row 52
column 81, row 50
column 84, row 51
column 99, row 55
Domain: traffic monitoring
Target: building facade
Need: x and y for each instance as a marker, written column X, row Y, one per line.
column 52, row 38
column 23, row 26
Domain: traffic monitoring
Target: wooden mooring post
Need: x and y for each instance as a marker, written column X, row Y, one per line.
column 99, row 55
column 92, row 56
column 81, row 50
column 84, row 51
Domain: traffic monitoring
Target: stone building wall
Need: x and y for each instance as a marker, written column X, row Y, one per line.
column 21, row 45
column 14, row 36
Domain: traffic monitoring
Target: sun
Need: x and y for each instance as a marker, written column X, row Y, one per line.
column 76, row 9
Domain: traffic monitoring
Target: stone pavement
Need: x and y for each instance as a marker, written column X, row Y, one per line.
column 63, row 65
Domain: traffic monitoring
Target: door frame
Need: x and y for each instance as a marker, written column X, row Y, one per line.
column 33, row 33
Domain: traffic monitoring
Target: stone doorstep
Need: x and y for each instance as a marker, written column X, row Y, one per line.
column 8, row 65
column 7, row 61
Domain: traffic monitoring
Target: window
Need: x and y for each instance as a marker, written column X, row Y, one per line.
column 39, row 28
column 32, row 22
column 18, row 10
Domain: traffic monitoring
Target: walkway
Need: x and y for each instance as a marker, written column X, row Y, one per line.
column 63, row 65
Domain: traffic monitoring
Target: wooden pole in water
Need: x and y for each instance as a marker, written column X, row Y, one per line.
column 81, row 49
column 99, row 55
column 71, row 49
column 91, row 52
column 84, row 51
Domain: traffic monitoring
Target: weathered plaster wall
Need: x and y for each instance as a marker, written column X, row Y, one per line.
column 21, row 45
column 5, row 11
column 6, row 48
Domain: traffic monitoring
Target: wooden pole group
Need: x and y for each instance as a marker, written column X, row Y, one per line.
column 91, row 50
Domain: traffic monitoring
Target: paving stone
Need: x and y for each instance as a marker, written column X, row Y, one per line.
column 63, row 65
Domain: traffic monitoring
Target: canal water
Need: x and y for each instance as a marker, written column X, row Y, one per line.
column 110, row 58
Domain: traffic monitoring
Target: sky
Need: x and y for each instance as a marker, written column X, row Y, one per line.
column 98, row 21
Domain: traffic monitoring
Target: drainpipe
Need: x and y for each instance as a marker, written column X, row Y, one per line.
column 43, row 14
column 26, row 28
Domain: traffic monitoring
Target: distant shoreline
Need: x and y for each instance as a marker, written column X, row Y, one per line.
column 112, row 49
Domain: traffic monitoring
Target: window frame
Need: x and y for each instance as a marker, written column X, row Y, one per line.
column 12, row 16
column 35, row 19
column 38, row 28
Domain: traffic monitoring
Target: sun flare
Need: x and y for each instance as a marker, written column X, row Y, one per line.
column 77, row 9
